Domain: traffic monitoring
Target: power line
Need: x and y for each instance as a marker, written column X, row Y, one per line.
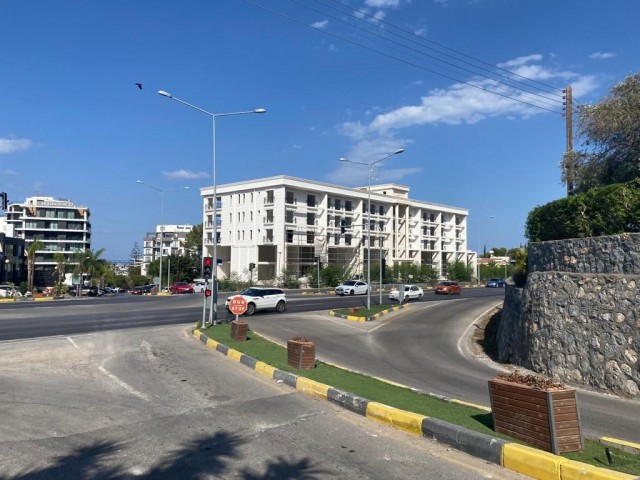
column 295, row 20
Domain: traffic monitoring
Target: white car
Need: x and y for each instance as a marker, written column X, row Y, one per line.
column 411, row 292
column 352, row 287
column 261, row 298
column 198, row 287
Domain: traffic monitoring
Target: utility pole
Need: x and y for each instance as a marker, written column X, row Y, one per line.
column 568, row 116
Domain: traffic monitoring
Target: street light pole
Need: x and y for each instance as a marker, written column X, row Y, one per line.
column 478, row 247
column 213, row 312
column 162, row 192
column 370, row 168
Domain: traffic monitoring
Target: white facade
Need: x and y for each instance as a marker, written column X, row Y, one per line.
column 59, row 224
column 173, row 237
column 287, row 222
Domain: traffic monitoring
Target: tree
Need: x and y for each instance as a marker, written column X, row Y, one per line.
column 193, row 241
column 135, row 254
column 184, row 268
column 31, row 262
column 610, row 132
column 61, row 267
column 459, row 271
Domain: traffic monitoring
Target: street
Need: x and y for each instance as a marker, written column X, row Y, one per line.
column 156, row 403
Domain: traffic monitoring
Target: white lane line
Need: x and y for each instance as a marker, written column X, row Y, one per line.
column 123, row 384
column 471, row 325
column 75, row 345
column 337, row 322
column 147, row 348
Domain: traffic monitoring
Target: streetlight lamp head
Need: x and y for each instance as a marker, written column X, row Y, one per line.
column 259, row 110
column 400, row 150
column 165, row 94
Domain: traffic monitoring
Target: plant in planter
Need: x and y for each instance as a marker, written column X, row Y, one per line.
column 536, row 410
column 301, row 353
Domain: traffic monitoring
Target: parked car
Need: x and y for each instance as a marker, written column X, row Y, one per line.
column 139, row 290
column 411, row 292
column 352, row 287
column 181, row 287
column 198, row 287
column 448, row 287
column 495, row 283
column 94, row 292
column 7, row 291
column 262, row 298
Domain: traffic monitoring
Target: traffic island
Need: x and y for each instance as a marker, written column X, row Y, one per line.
column 361, row 314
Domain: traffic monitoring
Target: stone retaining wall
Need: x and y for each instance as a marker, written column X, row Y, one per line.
column 573, row 325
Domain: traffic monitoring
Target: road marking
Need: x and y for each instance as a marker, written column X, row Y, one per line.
column 472, row 324
column 332, row 319
column 147, row 347
column 73, row 343
column 123, row 384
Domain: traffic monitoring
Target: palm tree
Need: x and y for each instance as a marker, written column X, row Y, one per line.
column 60, row 260
column 31, row 261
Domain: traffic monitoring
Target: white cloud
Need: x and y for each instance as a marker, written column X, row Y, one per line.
column 478, row 99
column 322, row 24
column 185, row 174
column 602, row 55
column 295, row 146
column 515, row 62
column 333, row 48
column 421, row 32
column 7, row 172
column 10, row 145
column 382, row 3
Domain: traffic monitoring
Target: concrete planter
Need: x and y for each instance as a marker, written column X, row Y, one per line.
column 239, row 330
column 301, row 353
column 546, row 419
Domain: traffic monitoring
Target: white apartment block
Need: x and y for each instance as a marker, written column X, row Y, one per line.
column 173, row 237
column 288, row 223
column 59, row 224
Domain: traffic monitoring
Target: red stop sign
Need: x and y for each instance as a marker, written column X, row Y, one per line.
column 238, row 305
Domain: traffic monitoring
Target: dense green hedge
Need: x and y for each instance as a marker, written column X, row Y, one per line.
column 608, row 210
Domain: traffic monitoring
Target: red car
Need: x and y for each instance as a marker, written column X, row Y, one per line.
column 181, row 287
column 448, row 288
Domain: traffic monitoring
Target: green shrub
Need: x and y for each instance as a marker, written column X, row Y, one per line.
column 608, row 210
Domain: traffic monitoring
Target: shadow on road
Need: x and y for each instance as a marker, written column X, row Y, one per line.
column 208, row 455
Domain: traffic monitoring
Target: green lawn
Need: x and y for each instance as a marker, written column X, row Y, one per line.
column 403, row 398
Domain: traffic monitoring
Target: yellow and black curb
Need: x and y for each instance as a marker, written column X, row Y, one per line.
column 355, row 318
column 520, row 458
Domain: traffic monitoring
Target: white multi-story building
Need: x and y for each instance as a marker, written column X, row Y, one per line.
column 59, row 224
column 290, row 223
column 173, row 237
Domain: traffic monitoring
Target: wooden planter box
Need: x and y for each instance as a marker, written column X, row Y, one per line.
column 544, row 419
column 301, row 355
column 239, row 330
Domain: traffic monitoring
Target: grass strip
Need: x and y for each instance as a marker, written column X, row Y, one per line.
column 405, row 399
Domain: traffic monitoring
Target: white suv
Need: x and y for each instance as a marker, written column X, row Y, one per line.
column 262, row 298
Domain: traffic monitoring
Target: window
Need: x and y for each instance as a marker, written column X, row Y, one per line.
column 250, row 234
column 290, row 199
column 218, row 219
column 238, row 234
column 311, row 218
column 348, row 206
column 251, row 216
column 269, row 216
column 243, row 216
column 231, row 218
column 347, row 222
column 243, row 198
column 289, row 236
column 288, row 216
column 381, row 226
column 242, row 234
column 338, row 204
column 269, row 196
column 337, row 239
column 311, row 200
column 310, row 236
column 238, row 216
column 347, row 239
column 381, row 210
column 251, row 197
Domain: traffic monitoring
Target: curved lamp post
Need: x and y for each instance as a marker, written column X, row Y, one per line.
column 162, row 192
column 370, row 168
column 213, row 313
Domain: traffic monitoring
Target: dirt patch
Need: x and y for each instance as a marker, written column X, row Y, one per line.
column 484, row 338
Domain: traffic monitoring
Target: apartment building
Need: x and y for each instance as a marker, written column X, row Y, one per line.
column 59, row 224
column 291, row 223
column 166, row 240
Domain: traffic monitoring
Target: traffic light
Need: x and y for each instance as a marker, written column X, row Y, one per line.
column 206, row 268
column 252, row 266
column 207, row 292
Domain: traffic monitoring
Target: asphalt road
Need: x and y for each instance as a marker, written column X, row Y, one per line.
column 419, row 346
column 154, row 403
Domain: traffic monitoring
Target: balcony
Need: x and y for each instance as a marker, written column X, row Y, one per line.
column 267, row 240
column 269, row 201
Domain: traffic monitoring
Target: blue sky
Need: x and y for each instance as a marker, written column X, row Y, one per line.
column 74, row 125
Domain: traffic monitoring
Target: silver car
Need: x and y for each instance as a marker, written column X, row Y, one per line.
column 352, row 287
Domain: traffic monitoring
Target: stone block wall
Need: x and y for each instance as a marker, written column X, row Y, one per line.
column 577, row 319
